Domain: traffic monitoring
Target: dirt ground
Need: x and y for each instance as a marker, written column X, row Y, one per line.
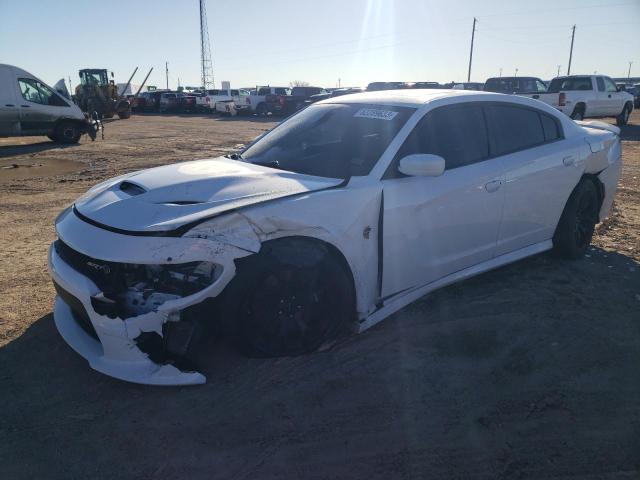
column 529, row 371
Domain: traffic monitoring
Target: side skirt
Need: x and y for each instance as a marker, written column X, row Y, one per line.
column 395, row 303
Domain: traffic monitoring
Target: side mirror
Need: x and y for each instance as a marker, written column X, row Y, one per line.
column 422, row 165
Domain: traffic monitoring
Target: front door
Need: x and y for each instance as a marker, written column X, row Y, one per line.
column 40, row 107
column 435, row 226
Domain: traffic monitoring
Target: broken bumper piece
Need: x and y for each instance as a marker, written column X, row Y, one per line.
column 109, row 343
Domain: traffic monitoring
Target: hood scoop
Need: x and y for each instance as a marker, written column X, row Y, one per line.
column 131, row 188
column 166, row 198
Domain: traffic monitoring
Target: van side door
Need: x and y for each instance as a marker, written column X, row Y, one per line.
column 9, row 111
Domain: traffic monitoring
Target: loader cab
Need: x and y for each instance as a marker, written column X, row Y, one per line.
column 94, row 77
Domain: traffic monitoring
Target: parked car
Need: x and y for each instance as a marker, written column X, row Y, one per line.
column 298, row 98
column 468, row 86
column 588, row 96
column 265, row 100
column 143, row 102
column 431, row 188
column 378, row 86
column 515, row 85
column 207, row 101
column 169, row 102
column 152, row 103
column 186, row 102
column 337, row 92
column 28, row 106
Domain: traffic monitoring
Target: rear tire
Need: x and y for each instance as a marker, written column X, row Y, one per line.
column 577, row 223
column 287, row 300
column 623, row 118
column 578, row 113
column 67, row 133
column 124, row 115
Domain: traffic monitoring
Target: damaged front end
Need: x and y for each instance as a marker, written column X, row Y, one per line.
column 136, row 317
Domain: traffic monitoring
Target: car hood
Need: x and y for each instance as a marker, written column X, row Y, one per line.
column 169, row 197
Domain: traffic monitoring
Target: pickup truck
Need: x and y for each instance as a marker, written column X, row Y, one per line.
column 588, row 96
column 207, row 99
column 264, row 100
column 526, row 86
column 298, row 97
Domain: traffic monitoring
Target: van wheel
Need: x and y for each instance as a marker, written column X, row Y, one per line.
column 578, row 113
column 288, row 300
column 67, row 132
column 577, row 223
column 623, row 118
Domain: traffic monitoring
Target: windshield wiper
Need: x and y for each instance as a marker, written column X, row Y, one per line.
column 234, row 156
column 270, row 163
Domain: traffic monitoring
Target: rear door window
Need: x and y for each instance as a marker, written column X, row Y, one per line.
column 513, row 128
column 457, row 133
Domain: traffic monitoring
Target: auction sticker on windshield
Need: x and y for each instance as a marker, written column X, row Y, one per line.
column 375, row 113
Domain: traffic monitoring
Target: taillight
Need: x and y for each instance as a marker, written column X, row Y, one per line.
column 207, row 99
column 562, row 99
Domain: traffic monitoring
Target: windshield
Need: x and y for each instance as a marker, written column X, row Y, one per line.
column 331, row 140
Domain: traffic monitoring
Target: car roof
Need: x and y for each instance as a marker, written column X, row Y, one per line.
column 414, row 97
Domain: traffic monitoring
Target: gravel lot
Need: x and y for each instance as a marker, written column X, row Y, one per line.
column 529, row 371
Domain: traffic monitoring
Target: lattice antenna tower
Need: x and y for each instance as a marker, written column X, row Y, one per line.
column 206, row 64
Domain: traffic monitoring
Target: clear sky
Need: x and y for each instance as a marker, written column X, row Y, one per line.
column 277, row 41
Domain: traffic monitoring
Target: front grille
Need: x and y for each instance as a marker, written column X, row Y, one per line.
column 103, row 274
column 78, row 311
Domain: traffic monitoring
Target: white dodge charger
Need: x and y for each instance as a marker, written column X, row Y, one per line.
column 335, row 219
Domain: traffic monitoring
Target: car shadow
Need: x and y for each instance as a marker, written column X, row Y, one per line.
column 20, row 149
column 630, row 132
column 497, row 374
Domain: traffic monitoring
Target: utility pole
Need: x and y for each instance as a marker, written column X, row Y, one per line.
column 573, row 34
column 70, row 88
column 166, row 72
column 629, row 72
column 516, row 74
column 338, row 82
column 558, row 74
column 500, row 71
column 473, row 34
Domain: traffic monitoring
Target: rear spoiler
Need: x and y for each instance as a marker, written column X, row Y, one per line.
column 599, row 126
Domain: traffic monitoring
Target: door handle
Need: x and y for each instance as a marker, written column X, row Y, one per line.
column 609, row 95
column 536, row 96
column 568, row 161
column 492, row 186
column 9, row 105
column 25, row 106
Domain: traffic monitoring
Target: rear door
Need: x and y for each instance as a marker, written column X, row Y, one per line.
column 540, row 172
column 9, row 113
column 435, row 226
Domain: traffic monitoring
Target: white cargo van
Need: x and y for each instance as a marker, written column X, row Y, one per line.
column 30, row 107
